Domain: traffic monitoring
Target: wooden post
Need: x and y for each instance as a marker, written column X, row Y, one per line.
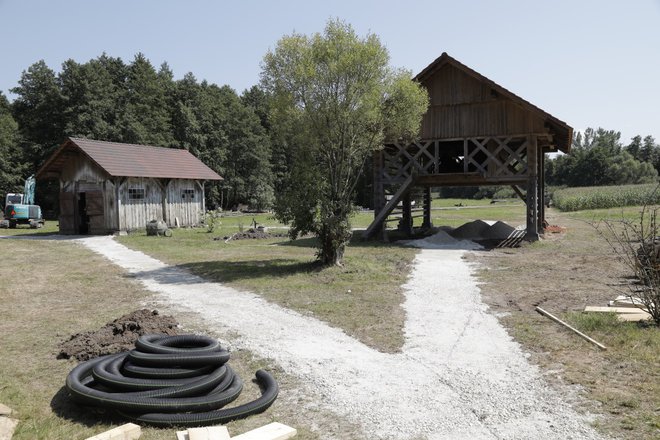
column 532, row 233
column 427, row 208
column 406, row 218
column 541, row 174
column 379, row 189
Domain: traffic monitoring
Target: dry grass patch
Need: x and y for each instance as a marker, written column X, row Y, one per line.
column 53, row 289
column 563, row 274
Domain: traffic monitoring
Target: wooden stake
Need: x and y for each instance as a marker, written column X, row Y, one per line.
column 559, row 321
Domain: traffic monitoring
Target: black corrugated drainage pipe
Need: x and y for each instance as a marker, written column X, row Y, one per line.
column 168, row 381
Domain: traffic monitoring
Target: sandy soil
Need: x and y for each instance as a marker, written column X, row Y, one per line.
column 459, row 374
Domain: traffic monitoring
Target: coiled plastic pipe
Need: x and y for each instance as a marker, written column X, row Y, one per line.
column 168, row 381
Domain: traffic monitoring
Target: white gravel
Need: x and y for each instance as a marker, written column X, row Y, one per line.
column 459, row 376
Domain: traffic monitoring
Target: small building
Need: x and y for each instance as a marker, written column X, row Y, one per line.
column 475, row 132
column 108, row 186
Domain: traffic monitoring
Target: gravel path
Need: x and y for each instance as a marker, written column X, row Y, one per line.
column 459, row 374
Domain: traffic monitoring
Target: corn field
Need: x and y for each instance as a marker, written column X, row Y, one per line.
column 597, row 197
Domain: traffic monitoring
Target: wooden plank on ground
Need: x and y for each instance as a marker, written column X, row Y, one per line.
column 633, row 317
column 272, row 431
column 598, row 309
column 129, row 431
column 208, row 433
column 573, row 329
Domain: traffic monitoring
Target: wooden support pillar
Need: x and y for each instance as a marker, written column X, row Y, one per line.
column 427, row 224
column 532, row 233
column 379, row 190
column 542, row 202
column 406, row 225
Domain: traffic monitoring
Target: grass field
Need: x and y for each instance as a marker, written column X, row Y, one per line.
column 52, row 289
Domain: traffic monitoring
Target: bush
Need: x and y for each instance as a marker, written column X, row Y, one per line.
column 637, row 244
column 597, row 197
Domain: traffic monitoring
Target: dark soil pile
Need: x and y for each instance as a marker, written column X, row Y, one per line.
column 118, row 335
column 254, row 234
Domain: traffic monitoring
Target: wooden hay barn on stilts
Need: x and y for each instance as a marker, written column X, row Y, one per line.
column 475, row 132
column 107, row 187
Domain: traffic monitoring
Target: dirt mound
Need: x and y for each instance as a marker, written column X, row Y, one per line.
column 253, row 234
column 498, row 231
column 475, row 229
column 118, row 335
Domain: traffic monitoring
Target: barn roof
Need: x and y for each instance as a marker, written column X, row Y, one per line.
column 130, row 160
column 563, row 132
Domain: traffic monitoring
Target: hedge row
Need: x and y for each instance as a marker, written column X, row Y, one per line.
column 595, row 197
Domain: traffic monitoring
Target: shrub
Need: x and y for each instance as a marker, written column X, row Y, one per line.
column 637, row 244
column 596, row 197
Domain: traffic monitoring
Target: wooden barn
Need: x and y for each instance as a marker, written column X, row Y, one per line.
column 107, row 186
column 475, row 132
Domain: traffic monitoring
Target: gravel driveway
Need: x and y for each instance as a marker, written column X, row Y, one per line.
column 459, row 375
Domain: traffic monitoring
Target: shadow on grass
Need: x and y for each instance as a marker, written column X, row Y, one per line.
column 228, row 271
column 64, row 407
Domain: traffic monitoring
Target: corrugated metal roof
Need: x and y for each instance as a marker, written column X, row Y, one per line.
column 130, row 160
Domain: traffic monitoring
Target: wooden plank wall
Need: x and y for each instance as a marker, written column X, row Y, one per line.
column 135, row 213
column 187, row 209
column 461, row 107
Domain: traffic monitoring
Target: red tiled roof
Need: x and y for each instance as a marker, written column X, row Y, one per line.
column 130, row 160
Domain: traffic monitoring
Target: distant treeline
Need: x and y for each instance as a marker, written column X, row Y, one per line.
column 108, row 99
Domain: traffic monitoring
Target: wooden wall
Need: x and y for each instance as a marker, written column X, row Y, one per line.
column 110, row 207
column 182, row 204
column 461, row 106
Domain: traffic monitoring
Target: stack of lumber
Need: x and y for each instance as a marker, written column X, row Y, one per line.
column 626, row 308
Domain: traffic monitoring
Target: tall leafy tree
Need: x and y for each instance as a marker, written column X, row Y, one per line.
column 91, row 97
column 598, row 158
column 146, row 116
column 337, row 92
column 214, row 124
column 12, row 167
column 37, row 109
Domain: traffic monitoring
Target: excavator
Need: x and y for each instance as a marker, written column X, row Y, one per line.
column 20, row 208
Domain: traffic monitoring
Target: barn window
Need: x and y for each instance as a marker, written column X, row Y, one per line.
column 135, row 193
column 188, row 194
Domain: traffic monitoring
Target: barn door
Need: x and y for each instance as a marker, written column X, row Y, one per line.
column 67, row 212
column 95, row 212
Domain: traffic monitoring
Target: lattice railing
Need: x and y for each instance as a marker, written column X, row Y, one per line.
column 495, row 157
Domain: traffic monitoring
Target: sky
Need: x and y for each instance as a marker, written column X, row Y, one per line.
column 588, row 63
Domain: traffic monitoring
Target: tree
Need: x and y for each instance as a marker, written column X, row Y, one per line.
column 12, row 168
column 598, row 158
column 145, row 119
column 37, row 110
column 342, row 101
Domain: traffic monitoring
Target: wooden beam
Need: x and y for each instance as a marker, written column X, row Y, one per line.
column 383, row 213
column 468, row 179
column 519, row 192
column 426, row 223
column 272, row 431
column 532, row 233
column 576, row 331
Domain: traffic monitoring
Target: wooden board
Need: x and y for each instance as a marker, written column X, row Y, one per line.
column 129, row 431
column 633, row 317
column 626, row 310
column 208, row 433
column 272, row 431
